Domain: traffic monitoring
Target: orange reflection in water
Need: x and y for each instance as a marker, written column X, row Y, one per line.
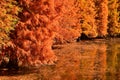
column 78, row 61
column 86, row 60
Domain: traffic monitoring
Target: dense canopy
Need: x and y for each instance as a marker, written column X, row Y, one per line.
column 29, row 28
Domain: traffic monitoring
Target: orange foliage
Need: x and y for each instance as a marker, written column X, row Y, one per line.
column 69, row 27
column 8, row 19
column 114, row 17
column 47, row 22
column 35, row 32
column 42, row 22
column 87, row 18
column 102, row 17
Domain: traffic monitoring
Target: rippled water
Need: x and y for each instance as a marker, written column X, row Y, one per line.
column 85, row 60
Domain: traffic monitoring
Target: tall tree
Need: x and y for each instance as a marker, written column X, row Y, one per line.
column 102, row 17
column 35, row 32
column 114, row 20
column 69, row 27
column 87, row 18
column 8, row 19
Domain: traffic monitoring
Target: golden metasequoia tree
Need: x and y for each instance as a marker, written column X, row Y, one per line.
column 9, row 10
column 8, row 19
column 69, row 27
column 101, row 17
column 114, row 20
column 33, row 36
column 42, row 22
column 87, row 18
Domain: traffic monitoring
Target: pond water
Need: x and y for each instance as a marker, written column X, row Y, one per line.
column 97, row 59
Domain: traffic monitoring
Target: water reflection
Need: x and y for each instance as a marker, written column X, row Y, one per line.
column 86, row 60
column 113, row 61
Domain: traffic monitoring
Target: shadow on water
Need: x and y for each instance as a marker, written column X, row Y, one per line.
column 85, row 60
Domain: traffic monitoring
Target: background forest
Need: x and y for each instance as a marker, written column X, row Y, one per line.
column 29, row 28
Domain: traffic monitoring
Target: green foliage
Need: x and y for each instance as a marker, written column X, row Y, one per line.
column 8, row 19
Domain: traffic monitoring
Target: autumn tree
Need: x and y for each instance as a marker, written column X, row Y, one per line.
column 8, row 19
column 101, row 17
column 114, row 20
column 33, row 36
column 87, row 18
column 69, row 28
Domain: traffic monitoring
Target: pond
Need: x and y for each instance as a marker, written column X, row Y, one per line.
column 96, row 59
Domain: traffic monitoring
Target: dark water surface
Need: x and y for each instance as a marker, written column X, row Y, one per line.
column 86, row 60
